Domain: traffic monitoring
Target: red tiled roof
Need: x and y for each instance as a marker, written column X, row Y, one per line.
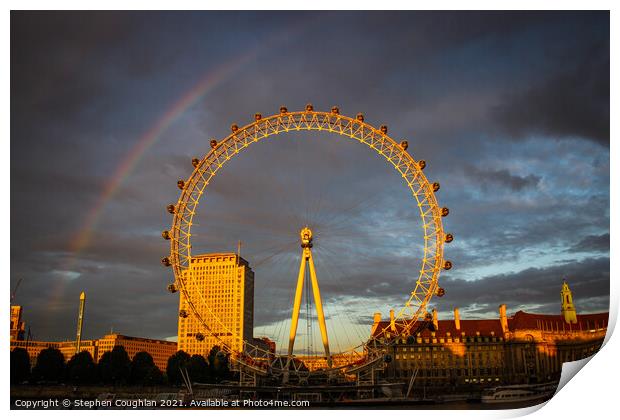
column 519, row 321
column 526, row 321
column 471, row 326
column 468, row 326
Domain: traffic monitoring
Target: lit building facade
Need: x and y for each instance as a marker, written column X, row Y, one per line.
column 160, row 350
column 221, row 289
column 523, row 348
column 18, row 326
column 67, row 348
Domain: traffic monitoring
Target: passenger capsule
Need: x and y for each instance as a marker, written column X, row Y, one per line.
column 258, row 117
column 383, row 129
column 387, row 358
column 172, row 288
column 422, row 164
column 170, row 208
column 195, row 162
column 213, row 143
column 234, row 128
column 309, row 107
column 283, row 110
column 166, row 235
column 447, row 265
column 183, row 313
column 181, row 184
column 360, row 117
column 436, row 186
column 445, row 211
column 449, row 238
column 335, row 110
column 200, row 337
column 166, row 261
column 404, row 144
column 441, row 291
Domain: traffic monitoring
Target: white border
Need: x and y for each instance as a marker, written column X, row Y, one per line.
column 590, row 395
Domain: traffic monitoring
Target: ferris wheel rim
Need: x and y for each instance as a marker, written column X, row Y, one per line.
column 310, row 120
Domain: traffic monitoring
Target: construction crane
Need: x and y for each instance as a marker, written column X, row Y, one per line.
column 15, row 290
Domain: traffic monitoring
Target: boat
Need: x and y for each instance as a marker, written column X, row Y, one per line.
column 519, row 393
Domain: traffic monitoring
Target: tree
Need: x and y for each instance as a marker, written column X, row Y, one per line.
column 198, row 369
column 50, row 365
column 218, row 364
column 178, row 360
column 20, row 365
column 144, row 371
column 81, row 369
column 115, row 366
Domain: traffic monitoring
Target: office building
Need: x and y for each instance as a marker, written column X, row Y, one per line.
column 220, row 287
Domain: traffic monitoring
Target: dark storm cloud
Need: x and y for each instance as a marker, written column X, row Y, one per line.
column 532, row 289
column 485, row 50
column 501, row 178
column 58, row 61
column 573, row 101
column 86, row 86
column 535, row 288
column 270, row 317
column 592, row 243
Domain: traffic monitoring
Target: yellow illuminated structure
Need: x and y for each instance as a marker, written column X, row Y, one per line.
column 568, row 307
column 160, row 350
column 180, row 258
column 220, row 287
column 17, row 325
column 80, row 322
column 67, row 348
column 517, row 349
column 306, row 259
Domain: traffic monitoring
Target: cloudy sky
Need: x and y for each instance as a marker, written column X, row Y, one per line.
column 510, row 111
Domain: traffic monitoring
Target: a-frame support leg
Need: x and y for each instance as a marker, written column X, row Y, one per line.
column 319, row 308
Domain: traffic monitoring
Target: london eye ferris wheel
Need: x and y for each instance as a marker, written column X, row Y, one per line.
column 432, row 262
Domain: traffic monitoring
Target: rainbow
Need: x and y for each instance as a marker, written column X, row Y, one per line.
column 148, row 139
column 205, row 85
column 81, row 240
column 84, row 235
